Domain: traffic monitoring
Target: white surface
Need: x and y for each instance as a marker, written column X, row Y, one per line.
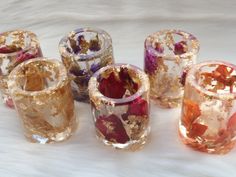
column 128, row 22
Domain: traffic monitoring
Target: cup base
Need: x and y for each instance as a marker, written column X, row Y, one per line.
column 208, row 147
column 132, row 145
column 34, row 137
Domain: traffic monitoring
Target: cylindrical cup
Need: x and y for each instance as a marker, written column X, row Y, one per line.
column 83, row 52
column 119, row 96
column 168, row 55
column 15, row 47
column 41, row 92
column 208, row 120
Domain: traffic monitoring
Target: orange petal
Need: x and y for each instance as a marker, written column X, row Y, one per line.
column 231, row 125
column 197, row 130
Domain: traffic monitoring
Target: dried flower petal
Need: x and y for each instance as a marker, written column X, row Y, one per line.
column 112, row 87
column 183, row 77
column 9, row 49
column 150, row 62
column 191, row 112
column 231, row 125
column 180, row 47
column 94, row 44
column 112, row 129
column 94, row 67
column 138, row 107
column 9, row 103
column 197, row 130
column 158, row 47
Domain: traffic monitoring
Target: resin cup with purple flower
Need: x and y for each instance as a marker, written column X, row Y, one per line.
column 208, row 120
column 119, row 96
column 83, row 52
column 15, row 47
column 168, row 55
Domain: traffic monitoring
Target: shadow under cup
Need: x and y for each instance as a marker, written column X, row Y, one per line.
column 41, row 92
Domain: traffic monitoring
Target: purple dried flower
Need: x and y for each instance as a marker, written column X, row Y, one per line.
column 95, row 67
column 180, row 48
column 183, row 77
column 158, row 47
column 150, row 62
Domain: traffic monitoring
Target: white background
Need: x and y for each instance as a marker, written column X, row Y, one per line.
column 128, row 22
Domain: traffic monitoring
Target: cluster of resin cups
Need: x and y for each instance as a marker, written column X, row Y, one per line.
column 43, row 90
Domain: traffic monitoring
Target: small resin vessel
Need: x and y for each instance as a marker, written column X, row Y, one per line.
column 119, row 96
column 208, row 120
column 15, row 47
column 83, row 52
column 41, row 92
column 168, row 55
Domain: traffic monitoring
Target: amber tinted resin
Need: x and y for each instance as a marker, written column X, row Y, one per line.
column 15, row 47
column 41, row 92
column 83, row 52
column 119, row 96
column 208, row 121
column 168, row 55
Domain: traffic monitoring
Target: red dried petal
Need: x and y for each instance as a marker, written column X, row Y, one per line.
column 231, row 125
column 24, row 56
column 197, row 130
column 9, row 103
column 191, row 112
column 223, row 136
column 112, row 129
column 180, row 48
column 7, row 49
column 111, row 87
column 138, row 107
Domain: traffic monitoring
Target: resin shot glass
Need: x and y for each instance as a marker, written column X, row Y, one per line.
column 119, row 96
column 168, row 55
column 41, row 92
column 15, row 47
column 208, row 120
column 83, row 52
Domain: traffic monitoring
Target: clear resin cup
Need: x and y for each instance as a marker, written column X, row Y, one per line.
column 83, row 52
column 208, row 120
column 15, row 47
column 119, row 96
column 168, row 55
column 41, row 92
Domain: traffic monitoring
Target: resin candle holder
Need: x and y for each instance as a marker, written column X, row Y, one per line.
column 208, row 121
column 15, row 47
column 168, row 56
column 83, row 52
column 41, row 92
column 119, row 96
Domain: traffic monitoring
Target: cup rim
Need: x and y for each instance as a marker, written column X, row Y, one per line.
column 188, row 36
column 93, row 85
column 33, row 37
column 192, row 79
column 63, row 78
column 87, row 57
